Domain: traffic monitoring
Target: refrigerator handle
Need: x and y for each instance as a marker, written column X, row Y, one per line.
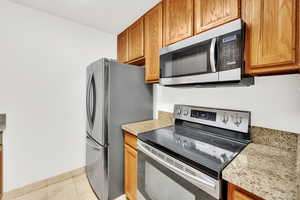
column 94, row 146
column 88, row 100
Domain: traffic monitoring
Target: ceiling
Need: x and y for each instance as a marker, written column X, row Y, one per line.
column 106, row 15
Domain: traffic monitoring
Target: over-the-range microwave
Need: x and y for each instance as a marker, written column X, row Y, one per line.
column 214, row 56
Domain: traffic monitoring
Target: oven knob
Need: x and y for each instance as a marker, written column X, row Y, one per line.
column 238, row 120
column 185, row 112
column 178, row 111
column 225, row 119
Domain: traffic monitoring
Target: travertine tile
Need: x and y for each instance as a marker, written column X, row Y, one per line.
column 40, row 194
column 78, row 172
column 87, row 196
column 62, row 191
column 24, row 190
column 82, row 185
column 59, row 178
column 41, row 184
column 74, row 188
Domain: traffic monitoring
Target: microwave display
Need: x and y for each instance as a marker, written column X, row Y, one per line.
column 230, row 51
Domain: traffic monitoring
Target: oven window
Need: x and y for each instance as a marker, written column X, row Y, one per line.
column 158, row 182
column 189, row 61
column 155, row 179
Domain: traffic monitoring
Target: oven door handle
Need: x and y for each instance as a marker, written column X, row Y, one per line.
column 182, row 173
column 212, row 55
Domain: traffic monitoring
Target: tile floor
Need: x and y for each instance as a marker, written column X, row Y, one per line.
column 76, row 188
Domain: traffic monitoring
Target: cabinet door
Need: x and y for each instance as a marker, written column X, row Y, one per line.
column 136, row 40
column 123, row 47
column 236, row 193
column 178, row 20
column 212, row 13
column 240, row 196
column 153, row 43
column 270, row 38
column 130, row 172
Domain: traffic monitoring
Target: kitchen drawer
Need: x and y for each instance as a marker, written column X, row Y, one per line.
column 131, row 140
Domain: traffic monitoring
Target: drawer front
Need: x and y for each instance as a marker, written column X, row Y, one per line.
column 131, row 140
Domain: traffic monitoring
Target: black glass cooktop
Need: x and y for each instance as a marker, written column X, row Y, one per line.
column 195, row 147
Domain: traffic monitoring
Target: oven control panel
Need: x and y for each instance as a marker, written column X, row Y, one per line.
column 222, row 118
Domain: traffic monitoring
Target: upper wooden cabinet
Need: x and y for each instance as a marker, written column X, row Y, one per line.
column 212, row 13
column 178, row 20
column 136, row 40
column 153, row 42
column 271, row 36
column 123, row 47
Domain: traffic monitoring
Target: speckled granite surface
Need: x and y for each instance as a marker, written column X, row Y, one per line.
column 265, row 171
column 164, row 119
column 274, row 138
column 268, row 167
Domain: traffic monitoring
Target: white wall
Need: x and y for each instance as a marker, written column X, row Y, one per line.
column 274, row 101
column 42, row 89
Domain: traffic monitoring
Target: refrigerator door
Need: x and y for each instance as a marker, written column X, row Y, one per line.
column 96, row 101
column 97, row 168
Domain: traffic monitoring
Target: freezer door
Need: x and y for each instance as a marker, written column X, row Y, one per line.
column 96, row 101
column 97, row 168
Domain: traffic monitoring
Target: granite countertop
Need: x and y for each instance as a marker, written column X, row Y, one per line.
column 165, row 119
column 265, row 171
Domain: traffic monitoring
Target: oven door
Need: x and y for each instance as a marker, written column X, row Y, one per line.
column 159, row 180
column 191, row 64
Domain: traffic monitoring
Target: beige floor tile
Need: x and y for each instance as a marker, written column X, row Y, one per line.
column 40, row 194
column 83, row 188
column 62, row 191
column 78, row 172
column 82, row 185
column 88, row 196
column 59, row 178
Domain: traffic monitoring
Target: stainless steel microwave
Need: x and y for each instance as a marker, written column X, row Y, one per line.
column 214, row 56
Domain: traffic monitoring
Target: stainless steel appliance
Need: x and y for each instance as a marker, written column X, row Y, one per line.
column 116, row 94
column 214, row 56
column 185, row 161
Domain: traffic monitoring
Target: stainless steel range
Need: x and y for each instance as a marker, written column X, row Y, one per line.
column 185, row 161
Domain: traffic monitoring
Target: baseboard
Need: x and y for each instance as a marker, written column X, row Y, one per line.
column 41, row 184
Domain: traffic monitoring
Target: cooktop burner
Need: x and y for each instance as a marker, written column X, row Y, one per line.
column 196, row 148
column 206, row 147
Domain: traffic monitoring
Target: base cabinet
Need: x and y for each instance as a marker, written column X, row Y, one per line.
column 130, row 166
column 237, row 193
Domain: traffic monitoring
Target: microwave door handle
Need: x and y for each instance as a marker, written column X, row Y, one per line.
column 212, row 55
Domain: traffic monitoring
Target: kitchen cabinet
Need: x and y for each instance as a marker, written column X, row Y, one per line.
column 130, row 166
column 271, row 36
column 153, row 42
column 136, row 40
column 178, row 20
column 236, row 193
column 212, row 13
column 122, row 56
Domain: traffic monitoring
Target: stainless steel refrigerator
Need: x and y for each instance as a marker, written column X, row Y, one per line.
column 116, row 94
